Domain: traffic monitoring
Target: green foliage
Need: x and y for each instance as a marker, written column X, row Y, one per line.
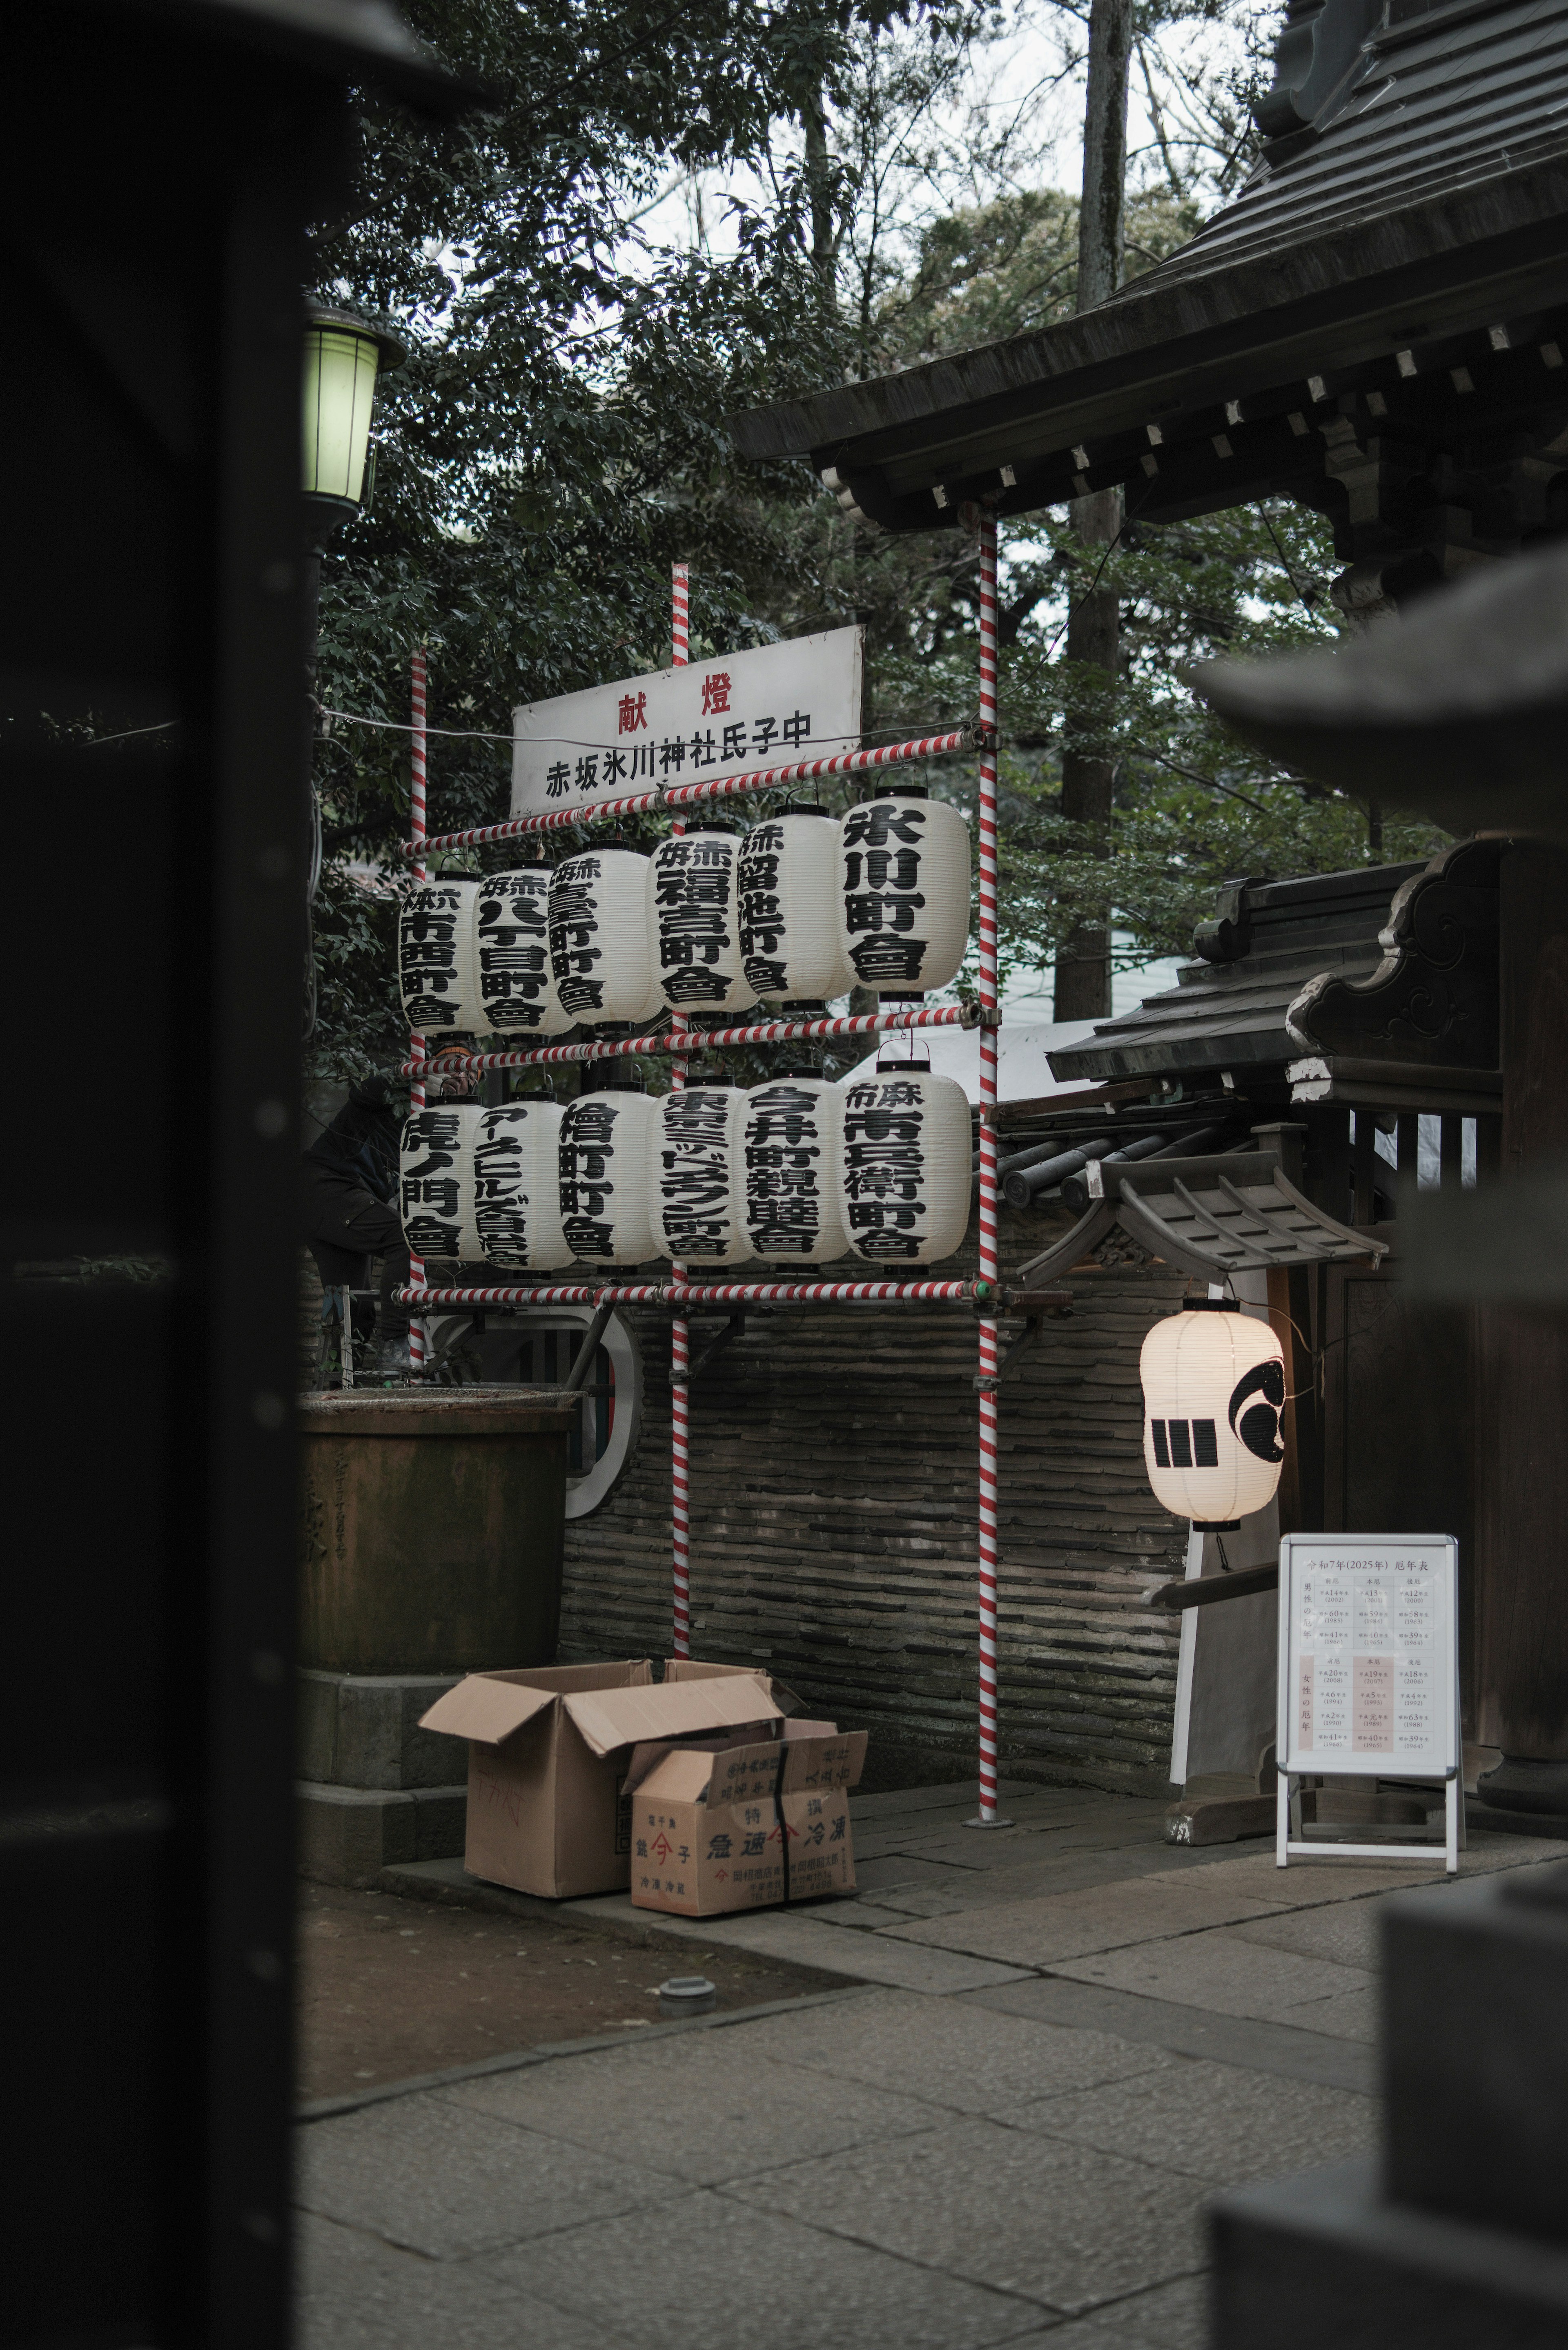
column 558, row 439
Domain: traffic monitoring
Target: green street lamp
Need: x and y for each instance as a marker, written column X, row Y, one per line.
column 342, row 357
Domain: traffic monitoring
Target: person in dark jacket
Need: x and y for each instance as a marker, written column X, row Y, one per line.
column 350, row 1191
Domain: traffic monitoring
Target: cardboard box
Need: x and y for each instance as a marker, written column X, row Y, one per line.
column 721, row 1826
column 548, row 1751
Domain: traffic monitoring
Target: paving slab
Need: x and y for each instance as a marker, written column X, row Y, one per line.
column 1288, row 2051
column 722, row 2274
column 812, row 1939
column 946, row 2052
column 1061, row 2225
column 1047, row 1929
column 905, row 1873
column 1348, row 1934
column 699, row 2110
column 429, row 2176
column 1226, row 1976
column 1168, row 2317
column 1210, row 2121
column 356, row 2293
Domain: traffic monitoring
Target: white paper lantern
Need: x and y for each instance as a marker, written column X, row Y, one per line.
column 517, row 1187
column 435, row 955
column 1214, row 1391
column 696, row 1177
column 904, row 862
column 904, row 1173
column 598, row 935
column 512, row 990
column 605, row 1209
column 694, row 923
column 791, row 944
column 791, row 1170
column 435, row 1183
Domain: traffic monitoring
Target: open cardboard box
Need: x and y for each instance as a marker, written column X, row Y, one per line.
column 548, row 1755
column 739, row 1824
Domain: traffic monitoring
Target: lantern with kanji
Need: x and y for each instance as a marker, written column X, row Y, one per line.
column 435, row 1183
column 513, row 991
column 598, row 935
column 435, row 954
column 904, row 909
column 517, row 1187
column 791, row 946
column 791, row 1146
column 605, row 1144
column 696, row 1176
column 693, row 921
column 904, row 1168
column 1213, row 1400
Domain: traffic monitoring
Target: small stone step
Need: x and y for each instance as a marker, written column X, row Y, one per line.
column 347, row 1836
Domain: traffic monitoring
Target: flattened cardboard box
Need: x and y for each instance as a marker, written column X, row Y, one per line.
column 747, row 1826
column 548, row 1749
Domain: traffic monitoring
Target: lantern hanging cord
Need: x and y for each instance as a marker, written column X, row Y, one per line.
column 477, row 734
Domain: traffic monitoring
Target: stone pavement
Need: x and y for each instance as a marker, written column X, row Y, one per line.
column 1062, row 2036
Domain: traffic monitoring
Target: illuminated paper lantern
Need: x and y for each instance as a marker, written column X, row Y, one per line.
column 791, row 1152
column 696, row 1176
column 435, row 1183
column 435, row 955
column 693, row 922
column 904, row 1172
column 606, row 1140
column 904, row 911
column 517, row 1187
column 598, row 935
column 1213, row 1392
column 512, row 990
column 791, row 947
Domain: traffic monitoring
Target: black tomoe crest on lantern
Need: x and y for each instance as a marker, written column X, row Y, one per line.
column 1258, row 1428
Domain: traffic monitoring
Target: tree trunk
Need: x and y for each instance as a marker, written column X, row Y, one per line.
column 819, row 187
column 1093, row 629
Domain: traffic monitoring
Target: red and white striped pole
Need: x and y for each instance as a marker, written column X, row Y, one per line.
column 680, row 1331
column 417, row 1043
column 987, row 1543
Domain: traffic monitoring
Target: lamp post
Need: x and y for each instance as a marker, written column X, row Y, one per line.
column 342, row 357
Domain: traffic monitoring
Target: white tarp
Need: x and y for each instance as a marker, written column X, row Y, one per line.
column 772, row 707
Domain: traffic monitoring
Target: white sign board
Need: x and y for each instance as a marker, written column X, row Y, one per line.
column 1369, row 1665
column 775, row 706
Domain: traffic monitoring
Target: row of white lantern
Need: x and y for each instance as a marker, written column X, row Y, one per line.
column 801, row 908
column 794, row 1172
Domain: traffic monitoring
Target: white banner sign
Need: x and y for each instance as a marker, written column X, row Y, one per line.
column 773, row 707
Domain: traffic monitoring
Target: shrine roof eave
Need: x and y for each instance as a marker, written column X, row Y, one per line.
column 1146, row 387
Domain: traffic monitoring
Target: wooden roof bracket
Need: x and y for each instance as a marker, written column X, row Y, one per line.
column 1256, row 1240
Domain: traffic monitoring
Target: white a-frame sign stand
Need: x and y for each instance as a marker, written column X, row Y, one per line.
column 1369, row 1682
